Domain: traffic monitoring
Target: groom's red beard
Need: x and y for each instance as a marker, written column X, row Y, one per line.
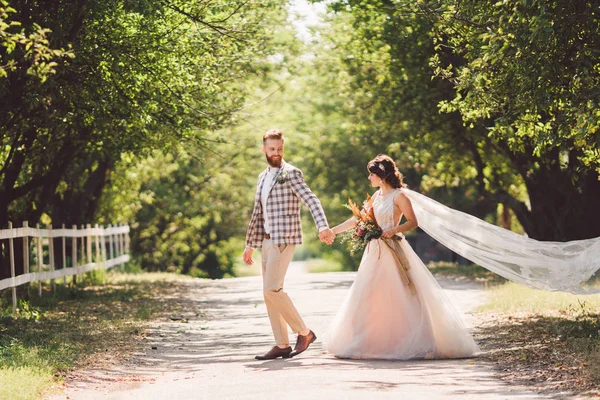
column 274, row 161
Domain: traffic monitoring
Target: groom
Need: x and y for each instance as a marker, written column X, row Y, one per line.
column 275, row 227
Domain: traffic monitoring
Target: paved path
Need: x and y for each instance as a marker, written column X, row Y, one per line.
column 212, row 356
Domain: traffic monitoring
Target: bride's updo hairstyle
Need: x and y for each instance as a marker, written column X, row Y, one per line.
column 384, row 167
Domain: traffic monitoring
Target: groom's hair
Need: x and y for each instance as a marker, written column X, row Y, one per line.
column 273, row 134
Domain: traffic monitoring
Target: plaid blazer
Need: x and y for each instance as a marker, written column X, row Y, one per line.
column 283, row 208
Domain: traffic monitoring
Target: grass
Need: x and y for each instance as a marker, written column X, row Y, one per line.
column 240, row 269
column 513, row 298
column 24, row 383
column 51, row 335
column 470, row 271
column 547, row 339
column 319, row 265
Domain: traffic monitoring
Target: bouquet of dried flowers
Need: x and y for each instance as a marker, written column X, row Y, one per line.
column 367, row 228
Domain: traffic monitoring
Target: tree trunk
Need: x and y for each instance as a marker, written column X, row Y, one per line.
column 561, row 210
column 80, row 204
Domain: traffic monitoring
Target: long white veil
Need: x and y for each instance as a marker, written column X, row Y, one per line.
column 551, row 266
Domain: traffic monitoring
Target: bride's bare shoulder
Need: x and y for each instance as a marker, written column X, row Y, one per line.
column 400, row 196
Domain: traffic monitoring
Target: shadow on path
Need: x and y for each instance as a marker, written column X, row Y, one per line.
column 212, row 354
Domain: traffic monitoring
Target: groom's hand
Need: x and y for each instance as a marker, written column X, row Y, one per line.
column 248, row 255
column 327, row 236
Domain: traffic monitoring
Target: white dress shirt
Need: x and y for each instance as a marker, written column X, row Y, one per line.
column 269, row 177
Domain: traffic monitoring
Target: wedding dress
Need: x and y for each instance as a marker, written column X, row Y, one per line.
column 382, row 318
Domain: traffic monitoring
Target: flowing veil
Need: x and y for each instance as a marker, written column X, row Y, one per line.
column 551, row 266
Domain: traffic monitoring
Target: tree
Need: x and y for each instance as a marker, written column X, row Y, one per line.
column 29, row 52
column 145, row 75
column 404, row 62
column 186, row 213
column 529, row 78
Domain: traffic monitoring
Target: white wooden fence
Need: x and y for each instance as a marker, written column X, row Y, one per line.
column 91, row 248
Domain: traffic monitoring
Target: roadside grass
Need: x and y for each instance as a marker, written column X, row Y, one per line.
column 75, row 326
column 514, row 298
column 24, row 383
column 471, row 272
column 550, row 340
column 320, row 265
column 241, row 269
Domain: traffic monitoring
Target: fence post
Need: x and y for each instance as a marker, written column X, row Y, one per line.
column 88, row 239
column 74, row 253
column 110, row 242
column 122, row 242
column 88, row 243
column 51, row 255
column 26, row 252
column 40, row 261
column 118, row 239
column 116, row 242
column 82, row 252
column 103, row 245
column 12, row 269
column 83, row 256
column 97, row 243
column 64, row 252
column 25, row 249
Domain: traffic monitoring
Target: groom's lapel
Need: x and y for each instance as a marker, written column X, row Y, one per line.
column 260, row 187
column 274, row 181
column 262, row 180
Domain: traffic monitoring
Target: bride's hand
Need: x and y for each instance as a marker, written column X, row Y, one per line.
column 389, row 233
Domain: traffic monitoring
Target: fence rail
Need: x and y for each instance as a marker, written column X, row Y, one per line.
column 91, row 248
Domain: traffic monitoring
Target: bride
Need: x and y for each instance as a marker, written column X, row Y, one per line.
column 392, row 312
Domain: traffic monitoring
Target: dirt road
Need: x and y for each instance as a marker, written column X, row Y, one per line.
column 211, row 354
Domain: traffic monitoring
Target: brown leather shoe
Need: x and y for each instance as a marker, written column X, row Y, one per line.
column 303, row 342
column 276, row 352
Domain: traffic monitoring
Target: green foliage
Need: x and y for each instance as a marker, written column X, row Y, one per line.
column 486, row 106
column 530, row 69
column 512, row 108
column 525, row 72
column 95, row 277
column 586, row 323
column 28, row 51
column 186, row 209
column 144, row 76
column 25, row 311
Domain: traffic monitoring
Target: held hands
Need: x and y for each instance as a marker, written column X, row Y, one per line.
column 327, row 236
column 248, row 255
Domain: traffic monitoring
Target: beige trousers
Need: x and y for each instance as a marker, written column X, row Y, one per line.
column 281, row 310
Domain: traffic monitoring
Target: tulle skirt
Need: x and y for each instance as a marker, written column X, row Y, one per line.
column 381, row 319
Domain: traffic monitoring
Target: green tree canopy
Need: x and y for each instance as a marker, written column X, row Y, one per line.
column 495, row 99
column 144, row 75
column 136, row 76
